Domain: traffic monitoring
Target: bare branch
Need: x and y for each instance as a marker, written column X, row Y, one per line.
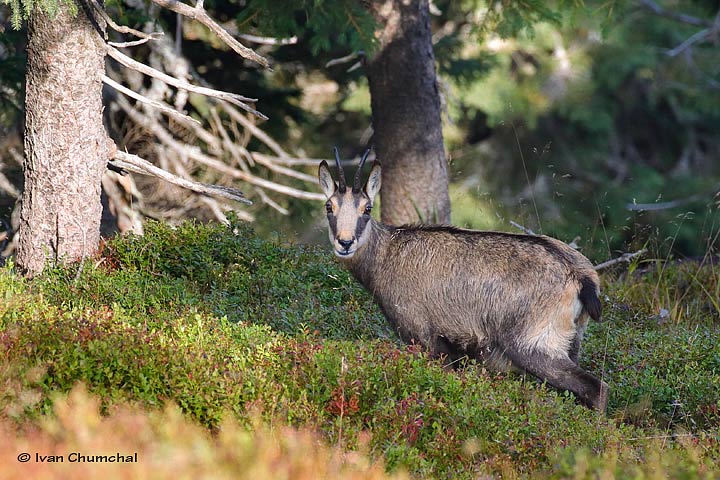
column 268, row 40
column 124, row 29
column 135, row 164
column 199, row 14
column 235, row 99
column 231, row 28
column 524, row 229
column 133, row 94
column 311, row 162
column 672, row 15
column 270, row 202
column 5, row 233
column 698, row 37
column 238, row 152
column 346, row 59
column 194, row 153
column 252, row 179
column 210, row 140
column 625, row 257
column 215, row 209
column 7, row 186
column 259, row 134
column 647, row 207
column 712, row 26
column 267, row 162
column 130, row 44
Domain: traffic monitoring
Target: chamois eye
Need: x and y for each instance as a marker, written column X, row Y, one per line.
column 328, row 207
column 368, row 209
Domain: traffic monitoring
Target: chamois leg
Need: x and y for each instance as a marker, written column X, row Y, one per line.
column 442, row 348
column 574, row 352
column 564, row 374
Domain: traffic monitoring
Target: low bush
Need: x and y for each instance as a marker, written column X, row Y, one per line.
column 163, row 444
column 232, row 328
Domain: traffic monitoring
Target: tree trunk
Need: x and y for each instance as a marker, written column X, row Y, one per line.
column 406, row 116
column 66, row 146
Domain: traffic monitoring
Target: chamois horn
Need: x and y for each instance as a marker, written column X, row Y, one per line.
column 358, row 175
column 341, row 173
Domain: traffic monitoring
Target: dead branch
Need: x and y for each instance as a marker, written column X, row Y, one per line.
column 124, row 200
column 310, row 162
column 270, row 202
column 216, row 210
column 526, row 230
column 144, row 37
column 194, row 153
column 132, row 43
column 346, row 59
column 199, row 14
column 232, row 29
column 268, row 40
column 698, row 37
column 238, row 152
column 235, row 99
column 252, row 128
column 625, row 257
column 7, row 186
column 135, row 164
column 252, row 179
column 672, row 15
column 202, row 134
column 133, row 94
column 647, row 207
column 289, row 172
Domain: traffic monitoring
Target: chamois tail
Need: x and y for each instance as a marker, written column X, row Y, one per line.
column 589, row 298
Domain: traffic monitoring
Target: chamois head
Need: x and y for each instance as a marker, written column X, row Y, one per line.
column 348, row 211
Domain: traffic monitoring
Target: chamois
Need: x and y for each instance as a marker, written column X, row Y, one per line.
column 509, row 300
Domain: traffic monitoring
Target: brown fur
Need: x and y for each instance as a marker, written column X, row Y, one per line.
column 506, row 299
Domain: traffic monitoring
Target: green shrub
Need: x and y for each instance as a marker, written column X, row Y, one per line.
column 224, row 324
column 226, row 272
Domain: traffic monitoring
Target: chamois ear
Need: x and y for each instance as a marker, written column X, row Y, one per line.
column 327, row 184
column 372, row 186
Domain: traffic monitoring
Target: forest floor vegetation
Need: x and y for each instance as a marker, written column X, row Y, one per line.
column 211, row 352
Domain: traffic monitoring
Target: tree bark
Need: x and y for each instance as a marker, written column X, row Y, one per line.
column 66, row 145
column 407, row 127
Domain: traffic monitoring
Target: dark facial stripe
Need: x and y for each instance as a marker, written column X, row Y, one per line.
column 361, row 224
column 332, row 221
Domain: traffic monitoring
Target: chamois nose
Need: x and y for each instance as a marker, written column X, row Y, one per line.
column 346, row 243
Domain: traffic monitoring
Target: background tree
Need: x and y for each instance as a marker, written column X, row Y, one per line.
column 575, row 120
column 66, row 146
column 406, row 115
